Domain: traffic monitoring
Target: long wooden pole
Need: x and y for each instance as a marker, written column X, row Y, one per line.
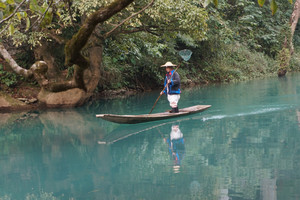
column 163, row 90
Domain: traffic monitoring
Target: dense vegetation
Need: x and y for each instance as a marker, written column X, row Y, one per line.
column 242, row 42
column 237, row 40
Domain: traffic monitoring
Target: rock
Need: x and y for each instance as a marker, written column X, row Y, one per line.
column 28, row 101
column 8, row 103
column 281, row 72
column 4, row 103
column 22, row 99
column 69, row 98
column 33, row 100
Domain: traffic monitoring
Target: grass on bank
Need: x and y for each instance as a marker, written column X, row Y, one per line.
column 234, row 63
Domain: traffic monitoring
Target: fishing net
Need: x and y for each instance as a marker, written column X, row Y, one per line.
column 185, row 54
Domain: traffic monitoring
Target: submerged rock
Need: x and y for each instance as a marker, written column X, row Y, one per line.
column 28, row 101
column 33, row 100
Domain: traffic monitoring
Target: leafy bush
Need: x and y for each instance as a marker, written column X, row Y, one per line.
column 295, row 62
column 255, row 26
column 238, row 63
column 8, row 78
column 25, row 57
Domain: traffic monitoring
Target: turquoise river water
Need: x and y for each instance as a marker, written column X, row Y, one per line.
column 246, row 146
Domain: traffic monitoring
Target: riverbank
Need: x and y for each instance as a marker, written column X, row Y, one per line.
column 239, row 64
column 24, row 98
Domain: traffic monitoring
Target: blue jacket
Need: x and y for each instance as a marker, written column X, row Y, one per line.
column 174, row 86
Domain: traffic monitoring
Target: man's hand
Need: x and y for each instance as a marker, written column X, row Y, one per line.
column 169, row 81
column 162, row 92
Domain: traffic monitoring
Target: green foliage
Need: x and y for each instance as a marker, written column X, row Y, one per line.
column 207, row 2
column 296, row 38
column 8, row 78
column 70, row 72
column 295, row 62
column 284, row 58
column 133, row 60
column 255, row 27
column 236, row 63
column 25, row 57
column 175, row 16
column 261, row 2
column 239, row 39
column 273, row 5
column 166, row 17
column 18, row 28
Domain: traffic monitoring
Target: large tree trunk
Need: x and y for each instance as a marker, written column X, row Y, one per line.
column 73, row 56
column 43, row 53
column 37, row 70
column 294, row 21
column 288, row 47
column 92, row 74
column 73, row 47
column 86, row 71
column 76, row 97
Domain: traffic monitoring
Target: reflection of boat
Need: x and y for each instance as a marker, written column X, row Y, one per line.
column 123, row 132
column 133, row 119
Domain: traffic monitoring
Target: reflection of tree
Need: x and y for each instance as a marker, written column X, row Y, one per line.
column 237, row 157
column 45, row 143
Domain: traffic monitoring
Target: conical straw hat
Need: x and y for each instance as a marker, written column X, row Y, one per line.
column 168, row 64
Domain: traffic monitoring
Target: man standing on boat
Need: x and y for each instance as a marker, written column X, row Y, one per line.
column 172, row 90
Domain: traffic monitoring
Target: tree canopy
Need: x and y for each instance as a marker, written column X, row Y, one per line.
column 28, row 22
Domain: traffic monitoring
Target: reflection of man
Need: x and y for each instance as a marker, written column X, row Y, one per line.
column 176, row 147
column 298, row 117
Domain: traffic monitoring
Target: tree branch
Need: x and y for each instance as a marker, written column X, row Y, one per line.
column 58, row 39
column 137, row 29
column 128, row 18
column 13, row 64
column 37, row 70
column 8, row 24
column 152, row 32
column 12, row 14
column 41, row 17
column 79, row 40
column 61, row 86
column 70, row 12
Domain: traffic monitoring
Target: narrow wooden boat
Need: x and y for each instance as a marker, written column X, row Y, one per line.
column 134, row 119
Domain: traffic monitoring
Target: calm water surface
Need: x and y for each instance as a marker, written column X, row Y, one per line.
column 246, row 146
